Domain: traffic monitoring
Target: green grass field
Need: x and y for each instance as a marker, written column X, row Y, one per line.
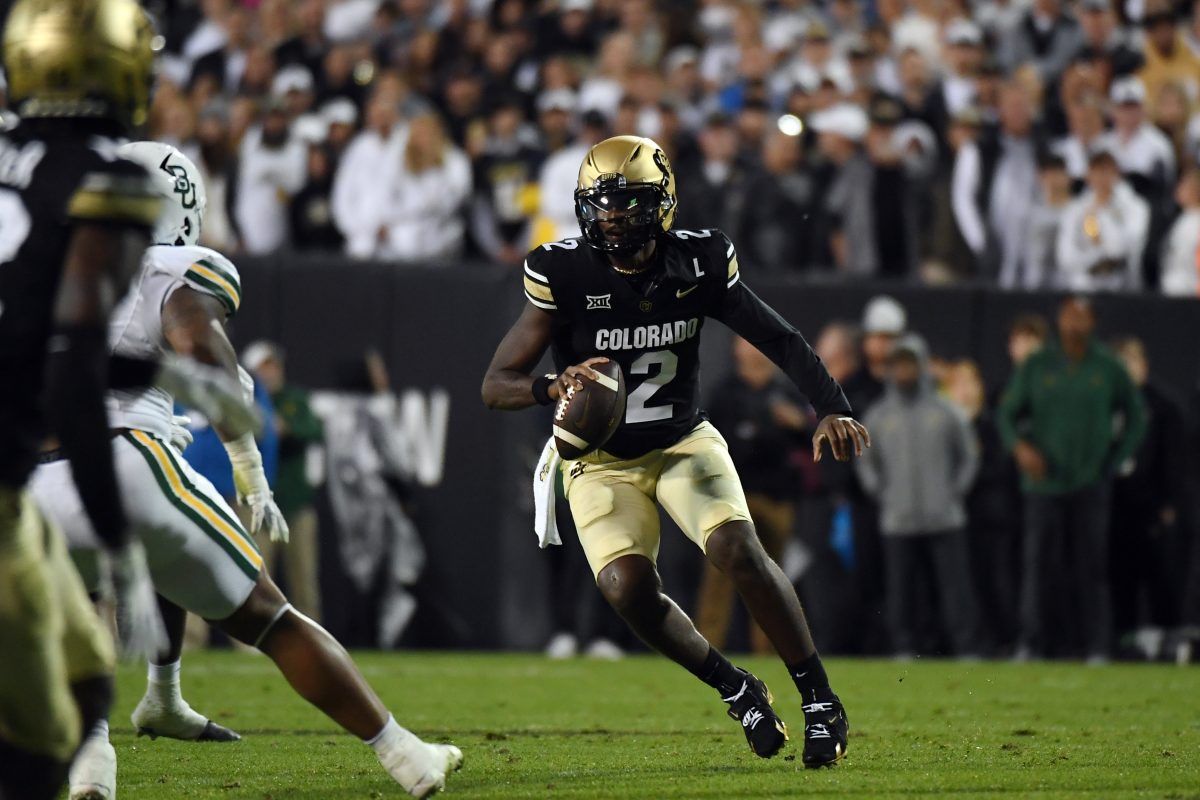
column 643, row 728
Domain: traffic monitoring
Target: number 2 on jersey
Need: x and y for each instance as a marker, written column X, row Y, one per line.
column 637, row 408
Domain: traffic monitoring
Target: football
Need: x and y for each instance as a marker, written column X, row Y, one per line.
column 585, row 419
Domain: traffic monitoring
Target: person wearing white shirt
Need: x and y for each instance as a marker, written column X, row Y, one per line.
column 1141, row 149
column 1103, row 233
column 558, row 179
column 399, row 193
column 271, row 168
column 1181, row 253
column 356, row 183
column 964, row 54
column 424, row 193
column 603, row 89
column 993, row 187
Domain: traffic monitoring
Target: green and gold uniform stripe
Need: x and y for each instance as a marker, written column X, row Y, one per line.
column 183, row 494
column 217, row 280
column 537, row 290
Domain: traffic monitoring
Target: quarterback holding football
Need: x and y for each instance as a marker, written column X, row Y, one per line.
column 634, row 292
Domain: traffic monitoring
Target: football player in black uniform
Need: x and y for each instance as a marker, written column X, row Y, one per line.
column 634, row 291
column 74, row 221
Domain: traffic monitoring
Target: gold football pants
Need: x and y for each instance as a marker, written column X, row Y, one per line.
column 50, row 634
column 615, row 501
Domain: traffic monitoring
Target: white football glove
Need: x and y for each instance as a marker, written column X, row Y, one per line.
column 252, row 489
column 210, row 391
column 139, row 623
column 181, row 435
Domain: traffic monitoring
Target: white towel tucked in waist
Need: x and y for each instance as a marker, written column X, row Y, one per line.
column 544, row 477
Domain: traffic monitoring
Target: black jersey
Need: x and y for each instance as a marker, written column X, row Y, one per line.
column 650, row 324
column 50, row 177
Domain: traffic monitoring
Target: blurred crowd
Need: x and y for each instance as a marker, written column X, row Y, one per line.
column 1027, row 143
column 1047, row 516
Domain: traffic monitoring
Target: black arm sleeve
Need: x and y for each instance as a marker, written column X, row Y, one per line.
column 76, row 377
column 759, row 324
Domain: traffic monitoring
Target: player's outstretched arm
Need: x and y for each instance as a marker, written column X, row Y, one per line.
column 748, row 316
column 508, row 384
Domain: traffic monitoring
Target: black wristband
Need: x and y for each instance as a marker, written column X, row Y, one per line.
column 541, row 390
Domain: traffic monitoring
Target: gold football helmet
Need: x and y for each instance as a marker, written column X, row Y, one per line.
column 80, row 58
column 625, row 195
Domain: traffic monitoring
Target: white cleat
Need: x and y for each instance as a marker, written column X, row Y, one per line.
column 177, row 720
column 93, row 774
column 422, row 768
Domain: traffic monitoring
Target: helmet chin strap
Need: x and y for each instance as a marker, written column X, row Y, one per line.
column 641, row 257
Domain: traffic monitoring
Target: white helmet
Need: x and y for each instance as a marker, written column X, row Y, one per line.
column 178, row 180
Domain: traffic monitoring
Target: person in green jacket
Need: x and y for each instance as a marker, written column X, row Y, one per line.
column 298, row 429
column 1071, row 417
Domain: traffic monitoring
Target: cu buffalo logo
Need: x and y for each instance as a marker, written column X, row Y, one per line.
column 183, row 185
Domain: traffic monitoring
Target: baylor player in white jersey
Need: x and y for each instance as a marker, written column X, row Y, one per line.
column 201, row 558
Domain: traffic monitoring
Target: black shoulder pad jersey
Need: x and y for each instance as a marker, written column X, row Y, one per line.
column 650, row 324
column 48, row 180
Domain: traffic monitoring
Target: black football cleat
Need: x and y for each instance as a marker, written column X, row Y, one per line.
column 751, row 706
column 826, row 730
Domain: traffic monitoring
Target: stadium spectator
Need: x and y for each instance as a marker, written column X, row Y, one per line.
column 1171, row 113
column 1041, row 265
column 1085, row 134
column 884, row 320
column 341, row 119
column 271, row 168
column 765, row 421
column 850, row 202
column 995, row 183
column 1148, row 493
column 309, row 44
column 770, row 232
column 505, row 176
column 421, row 195
column 1146, row 158
column 712, row 187
column 231, row 36
column 298, row 429
column 357, row 173
column 212, row 154
column 1057, row 417
column 1104, row 41
column 964, row 54
column 1046, row 37
column 310, row 212
column 1181, row 254
column 1102, row 232
column 1027, row 334
column 897, row 166
column 920, row 466
column 993, row 512
column 559, row 174
column 1165, row 48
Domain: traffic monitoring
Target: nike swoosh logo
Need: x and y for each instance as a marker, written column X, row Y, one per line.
column 686, row 292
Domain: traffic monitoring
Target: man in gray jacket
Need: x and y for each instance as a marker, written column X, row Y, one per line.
column 921, row 464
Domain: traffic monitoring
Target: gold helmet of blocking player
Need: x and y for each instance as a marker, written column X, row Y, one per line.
column 80, row 59
column 625, row 195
